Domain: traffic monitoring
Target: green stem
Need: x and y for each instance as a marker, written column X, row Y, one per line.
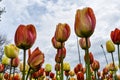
column 87, row 62
column 113, row 60
column 28, row 73
column 13, row 72
column 66, row 77
column 10, row 67
column 24, row 63
column 56, row 75
column 118, row 55
column 95, row 75
column 78, row 51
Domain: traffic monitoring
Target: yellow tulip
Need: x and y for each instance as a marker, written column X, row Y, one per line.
column 5, row 60
column 110, row 46
column 66, row 66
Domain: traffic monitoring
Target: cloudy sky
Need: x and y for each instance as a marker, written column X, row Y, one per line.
column 46, row 14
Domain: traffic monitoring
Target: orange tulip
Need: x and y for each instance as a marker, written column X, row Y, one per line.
column 82, row 43
column 85, row 22
column 90, row 56
column 95, row 65
column 80, row 76
column 25, row 36
column 62, row 32
column 35, row 59
column 115, row 36
column 57, row 44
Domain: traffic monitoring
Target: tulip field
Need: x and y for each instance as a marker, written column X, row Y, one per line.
column 31, row 67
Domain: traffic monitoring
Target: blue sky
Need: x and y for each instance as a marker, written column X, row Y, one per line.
column 46, row 14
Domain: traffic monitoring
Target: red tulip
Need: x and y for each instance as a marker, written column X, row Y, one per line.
column 91, row 58
column 95, row 65
column 80, row 67
column 25, row 36
column 115, row 36
column 35, row 59
column 57, row 44
column 2, row 67
column 57, row 67
column 6, row 76
column 85, row 22
column 15, row 62
column 82, row 43
column 41, row 72
column 51, row 75
column 80, row 76
column 62, row 32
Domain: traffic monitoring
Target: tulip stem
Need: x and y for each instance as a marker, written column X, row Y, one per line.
column 62, row 77
column 13, row 72
column 104, row 53
column 78, row 51
column 24, row 63
column 10, row 66
column 118, row 55
column 113, row 60
column 95, row 75
column 28, row 73
column 88, row 77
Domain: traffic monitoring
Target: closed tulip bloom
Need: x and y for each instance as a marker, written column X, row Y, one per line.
column 2, row 67
column 11, row 51
column 62, row 32
column 110, row 46
column 71, row 73
column 35, row 59
column 95, row 65
column 85, row 22
column 21, row 67
column 15, row 62
column 91, row 57
column 6, row 76
column 66, row 66
column 48, row 67
column 52, row 75
column 5, row 60
column 57, row 44
column 115, row 36
column 80, row 76
column 25, row 36
column 82, row 43
column 57, row 67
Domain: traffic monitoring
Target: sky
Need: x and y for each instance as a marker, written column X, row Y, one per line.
column 46, row 14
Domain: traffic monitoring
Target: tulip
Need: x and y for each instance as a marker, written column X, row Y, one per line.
column 48, row 67
column 66, row 67
column 15, row 62
column 25, row 36
column 115, row 36
column 52, row 75
column 5, row 60
column 95, row 65
column 11, row 51
column 71, row 73
column 2, row 67
column 62, row 32
column 82, row 43
column 85, row 22
column 6, row 76
column 35, row 59
column 90, row 56
column 57, row 67
column 41, row 72
column 110, row 46
column 57, row 44
column 80, row 76
column 21, row 67
column 80, row 67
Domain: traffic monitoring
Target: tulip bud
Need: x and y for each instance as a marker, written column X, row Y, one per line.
column 80, row 76
column 90, row 57
column 82, row 43
column 62, row 32
column 110, row 46
column 6, row 76
column 95, row 65
column 48, row 67
column 85, row 22
column 57, row 67
column 80, row 67
column 21, row 67
column 5, row 60
column 35, row 59
column 11, row 51
column 52, row 75
column 41, row 72
column 2, row 67
column 15, row 62
column 105, row 71
column 115, row 36
column 57, row 44
column 66, row 67
column 25, row 36
column 71, row 73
